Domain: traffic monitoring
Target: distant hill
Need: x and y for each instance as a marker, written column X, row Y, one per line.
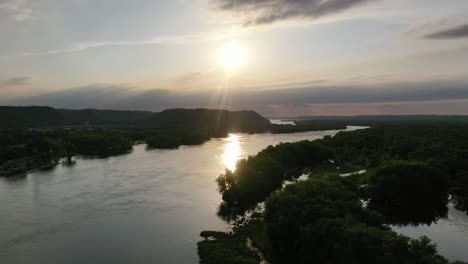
column 210, row 119
column 43, row 116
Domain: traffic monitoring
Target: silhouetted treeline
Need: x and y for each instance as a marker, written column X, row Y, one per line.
column 22, row 149
column 44, row 116
column 303, row 126
column 55, row 144
column 210, row 120
column 98, row 143
column 38, row 116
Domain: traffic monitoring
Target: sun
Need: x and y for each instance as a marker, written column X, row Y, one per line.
column 232, row 56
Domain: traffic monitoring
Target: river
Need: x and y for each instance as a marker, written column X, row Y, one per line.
column 450, row 234
column 148, row 206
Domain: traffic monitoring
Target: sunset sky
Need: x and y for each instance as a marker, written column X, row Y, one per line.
column 278, row 57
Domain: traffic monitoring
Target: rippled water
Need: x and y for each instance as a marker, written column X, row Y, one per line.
column 148, row 206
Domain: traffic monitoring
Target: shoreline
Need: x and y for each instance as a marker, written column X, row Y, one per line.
column 17, row 172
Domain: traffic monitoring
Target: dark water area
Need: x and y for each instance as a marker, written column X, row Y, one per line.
column 148, row 206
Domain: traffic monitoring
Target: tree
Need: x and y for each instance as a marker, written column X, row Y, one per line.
column 409, row 190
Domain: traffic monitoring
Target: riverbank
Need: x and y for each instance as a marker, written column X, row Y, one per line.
column 24, row 166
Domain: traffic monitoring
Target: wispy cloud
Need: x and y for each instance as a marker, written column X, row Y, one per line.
column 454, row 26
column 460, row 31
column 15, row 81
column 261, row 12
column 162, row 40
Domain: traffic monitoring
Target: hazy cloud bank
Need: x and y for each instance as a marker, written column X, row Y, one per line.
column 267, row 102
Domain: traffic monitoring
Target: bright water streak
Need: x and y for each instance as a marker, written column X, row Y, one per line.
column 144, row 207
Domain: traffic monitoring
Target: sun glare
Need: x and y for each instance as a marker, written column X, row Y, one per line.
column 232, row 152
column 233, row 56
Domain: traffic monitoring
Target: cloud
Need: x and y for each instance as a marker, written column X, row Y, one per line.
column 394, row 92
column 108, row 96
column 460, row 31
column 123, row 97
column 160, row 40
column 18, row 10
column 15, row 81
column 261, row 12
column 191, row 78
column 440, row 107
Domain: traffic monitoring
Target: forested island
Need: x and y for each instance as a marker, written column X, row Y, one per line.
column 406, row 172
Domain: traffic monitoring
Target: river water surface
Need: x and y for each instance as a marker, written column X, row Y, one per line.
column 148, row 206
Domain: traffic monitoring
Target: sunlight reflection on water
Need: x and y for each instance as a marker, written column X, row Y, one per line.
column 232, row 151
